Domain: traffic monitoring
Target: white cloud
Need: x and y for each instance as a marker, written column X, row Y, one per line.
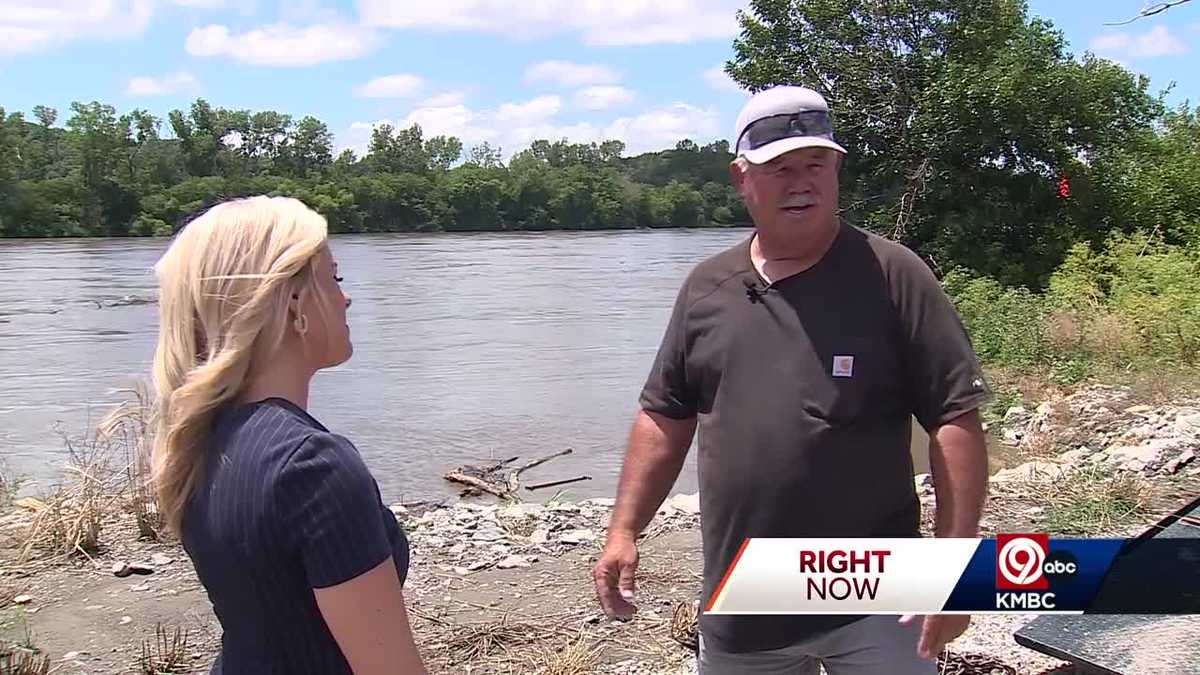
column 200, row 4
column 29, row 25
column 513, row 126
column 540, row 108
column 283, row 44
column 172, row 83
column 718, row 79
column 391, row 86
column 601, row 22
column 445, row 99
column 664, row 127
column 568, row 74
column 603, row 98
column 1156, row 42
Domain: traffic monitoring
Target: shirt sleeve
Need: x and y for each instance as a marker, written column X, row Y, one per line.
column 944, row 373
column 330, row 506
column 667, row 390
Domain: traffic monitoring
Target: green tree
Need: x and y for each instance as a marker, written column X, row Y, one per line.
column 443, row 152
column 310, row 152
column 958, row 118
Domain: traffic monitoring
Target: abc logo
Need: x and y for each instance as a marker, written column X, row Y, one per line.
column 1060, row 567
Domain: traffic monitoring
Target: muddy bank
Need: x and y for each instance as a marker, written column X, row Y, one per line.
column 506, row 588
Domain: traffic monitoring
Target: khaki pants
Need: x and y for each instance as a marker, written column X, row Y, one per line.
column 875, row 645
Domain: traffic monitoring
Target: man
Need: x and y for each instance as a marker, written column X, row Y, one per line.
column 803, row 353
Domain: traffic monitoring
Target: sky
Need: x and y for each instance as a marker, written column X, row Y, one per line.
column 647, row 72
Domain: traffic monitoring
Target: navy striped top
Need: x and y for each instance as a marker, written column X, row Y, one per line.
column 284, row 507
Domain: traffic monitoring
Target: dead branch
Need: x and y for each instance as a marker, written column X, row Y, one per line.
column 543, row 460
column 505, row 485
column 1149, row 10
column 568, row 481
column 477, row 483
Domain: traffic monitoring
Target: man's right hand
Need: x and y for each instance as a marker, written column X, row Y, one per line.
column 613, row 577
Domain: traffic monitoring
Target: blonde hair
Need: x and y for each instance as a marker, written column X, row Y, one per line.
column 224, row 288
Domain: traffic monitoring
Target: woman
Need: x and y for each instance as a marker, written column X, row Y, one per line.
column 302, row 562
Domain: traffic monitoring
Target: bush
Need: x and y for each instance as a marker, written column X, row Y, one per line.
column 1134, row 305
column 1007, row 325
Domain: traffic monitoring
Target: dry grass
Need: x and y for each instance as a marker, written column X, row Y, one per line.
column 107, row 474
column 167, row 655
column 21, row 661
column 495, row 641
column 578, row 658
column 685, row 625
column 129, row 428
column 70, row 520
column 1092, row 501
column 951, row 663
column 8, row 590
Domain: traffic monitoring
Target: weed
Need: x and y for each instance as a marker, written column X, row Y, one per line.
column 167, row 655
column 1094, row 501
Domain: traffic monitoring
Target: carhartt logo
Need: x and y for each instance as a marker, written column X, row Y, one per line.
column 843, row 366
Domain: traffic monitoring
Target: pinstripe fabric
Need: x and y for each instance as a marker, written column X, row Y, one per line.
column 285, row 506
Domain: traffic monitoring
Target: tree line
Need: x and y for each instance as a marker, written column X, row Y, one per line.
column 104, row 174
column 974, row 136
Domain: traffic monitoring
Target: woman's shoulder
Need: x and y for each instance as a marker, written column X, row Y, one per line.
column 282, row 436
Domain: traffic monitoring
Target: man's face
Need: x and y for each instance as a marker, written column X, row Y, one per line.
column 794, row 192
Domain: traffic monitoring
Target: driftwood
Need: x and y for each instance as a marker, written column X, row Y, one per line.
column 477, row 483
column 495, row 480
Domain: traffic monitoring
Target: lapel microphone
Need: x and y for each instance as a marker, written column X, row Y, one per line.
column 754, row 295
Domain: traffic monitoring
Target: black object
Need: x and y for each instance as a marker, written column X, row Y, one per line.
column 1156, row 563
column 754, row 295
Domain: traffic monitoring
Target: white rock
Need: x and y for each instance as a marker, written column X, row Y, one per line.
column 458, row 549
column 521, row 511
column 71, row 656
column 607, row 502
column 540, row 536
column 1146, row 454
column 1177, row 463
column 1073, row 457
column 161, row 560
column 1015, row 414
column 1030, row 471
column 577, row 536
column 126, row 620
column 1013, row 436
column 1044, row 409
column 685, row 503
column 22, row 599
column 488, row 533
column 923, row 480
column 434, row 541
column 398, row 510
column 514, row 561
column 1188, row 424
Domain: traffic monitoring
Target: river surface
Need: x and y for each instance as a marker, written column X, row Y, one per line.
column 468, row 347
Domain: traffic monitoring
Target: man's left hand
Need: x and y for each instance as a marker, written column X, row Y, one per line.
column 937, row 630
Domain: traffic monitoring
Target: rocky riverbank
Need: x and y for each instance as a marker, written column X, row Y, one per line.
column 506, row 588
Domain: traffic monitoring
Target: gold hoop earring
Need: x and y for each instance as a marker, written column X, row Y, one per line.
column 301, row 324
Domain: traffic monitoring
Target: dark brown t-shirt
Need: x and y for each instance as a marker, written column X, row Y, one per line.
column 805, row 393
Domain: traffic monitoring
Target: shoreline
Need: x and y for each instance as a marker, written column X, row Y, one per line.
column 506, row 588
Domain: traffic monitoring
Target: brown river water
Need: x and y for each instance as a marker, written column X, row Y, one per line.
column 467, row 347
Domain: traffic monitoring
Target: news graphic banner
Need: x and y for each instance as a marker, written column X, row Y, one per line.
column 1012, row 573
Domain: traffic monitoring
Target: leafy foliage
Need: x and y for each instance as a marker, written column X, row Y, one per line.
column 106, row 175
column 959, row 118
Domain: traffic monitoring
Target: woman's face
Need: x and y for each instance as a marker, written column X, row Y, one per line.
column 328, row 337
